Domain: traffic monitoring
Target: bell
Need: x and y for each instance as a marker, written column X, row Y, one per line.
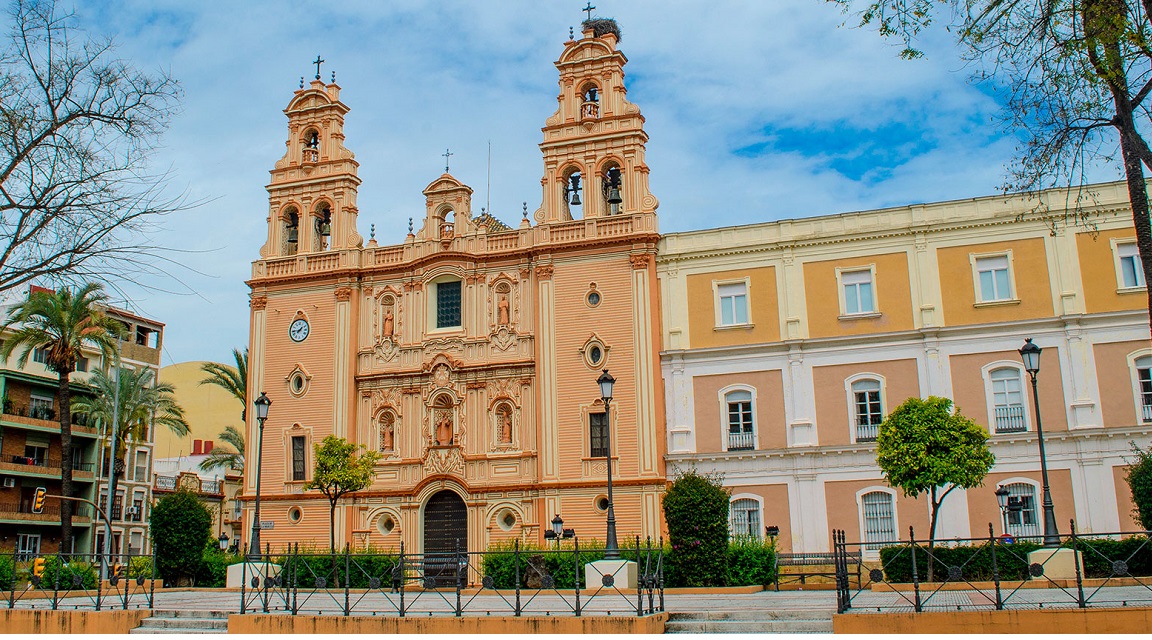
column 575, row 188
column 614, row 196
column 575, row 198
column 325, row 229
column 293, row 234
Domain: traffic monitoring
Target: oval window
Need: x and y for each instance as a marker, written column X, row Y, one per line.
column 602, row 503
column 593, row 298
column 595, row 354
column 386, row 525
column 295, row 514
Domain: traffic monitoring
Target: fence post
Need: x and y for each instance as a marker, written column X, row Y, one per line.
column 650, row 575
column 459, row 578
column 243, row 585
column 12, row 587
column 127, row 575
column 1076, row 560
column 267, row 565
column 995, row 567
column 152, row 582
column 402, row 576
column 639, row 589
column 660, row 573
column 293, row 569
column 576, row 560
column 915, row 571
column 56, row 581
column 99, row 581
column 347, row 578
column 516, row 562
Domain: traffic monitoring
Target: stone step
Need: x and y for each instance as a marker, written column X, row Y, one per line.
column 167, row 631
column 188, row 613
column 752, row 615
column 183, row 623
column 749, row 626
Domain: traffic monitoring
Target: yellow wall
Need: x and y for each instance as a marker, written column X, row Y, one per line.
column 763, row 309
column 1098, row 271
column 41, row 621
column 834, row 417
column 1029, row 268
column 890, row 290
column 441, row 625
column 207, row 408
column 1031, row 621
column 711, row 421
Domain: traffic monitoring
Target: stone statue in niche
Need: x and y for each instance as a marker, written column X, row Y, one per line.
column 443, row 427
column 387, row 435
column 388, row 323
column 502, row 311
column 505, row 426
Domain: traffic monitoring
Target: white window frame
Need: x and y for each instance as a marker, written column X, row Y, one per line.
column 990, row 396
column 841, row 273
column 1118, row 263
column 1037, row 508
column 869, row 551
column 724, row 427
column 717, row 303
column 850, row 398
column 1134, row 374
column 39, row 355
column 27, row 546
column 758, row 532
column 977, row 290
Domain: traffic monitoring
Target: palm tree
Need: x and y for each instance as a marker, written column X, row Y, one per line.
column 234, row 380
column 141, row 402
column 63, row 323
column 228, row 459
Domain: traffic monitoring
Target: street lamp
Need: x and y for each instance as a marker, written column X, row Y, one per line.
column 611, row 551
column 262, row 403
column 557, row 530
column 1030, row 354
column 1002, row 499
column 223, row 541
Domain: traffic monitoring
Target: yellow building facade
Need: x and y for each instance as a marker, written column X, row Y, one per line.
column 468, row 353
column 786, row 343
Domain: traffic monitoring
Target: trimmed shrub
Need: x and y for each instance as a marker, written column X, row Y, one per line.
column 71, row 575
column 181, row 528
column 696, row 510
column 7, row 573
column 1139, row 479
column 751, row 561
column 213, row 571
column 140, row 567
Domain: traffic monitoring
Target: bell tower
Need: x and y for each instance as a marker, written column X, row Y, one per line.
column 594, row 144
column 312, row 196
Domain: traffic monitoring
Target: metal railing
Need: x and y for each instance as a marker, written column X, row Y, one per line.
column 1146, row 409
column 25, row 508
column 512, row 581
column 995, row 572
column 58, row 582
column 742, row 441
column 1010, row 419
column 867, row 429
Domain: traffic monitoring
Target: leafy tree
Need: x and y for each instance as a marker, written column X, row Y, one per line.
column 923, row 446
column 77, row 124
column 181, row 528
column 1077, row 75
column 1139, row 478
column 62, row 323
column 234, row 380
column 696, row 510
column 136, row 401
column 223, row 457
column 341, row 468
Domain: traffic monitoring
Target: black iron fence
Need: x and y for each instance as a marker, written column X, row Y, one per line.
column 994, row 572
column 512, row 581
column 78, row 581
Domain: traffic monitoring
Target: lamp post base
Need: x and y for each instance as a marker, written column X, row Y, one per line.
column 619, row 574
column 243, row 572
column 1059, row 564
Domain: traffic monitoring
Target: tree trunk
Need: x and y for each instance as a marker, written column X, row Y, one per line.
column 332, row 524
column 932, row 536
column 64, row 406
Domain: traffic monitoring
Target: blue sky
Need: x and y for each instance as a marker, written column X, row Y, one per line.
column 756, row 111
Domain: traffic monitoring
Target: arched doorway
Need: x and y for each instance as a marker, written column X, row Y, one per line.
column 445, row 526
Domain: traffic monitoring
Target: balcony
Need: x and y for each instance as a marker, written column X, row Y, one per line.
column 15, row 418
column 21, row 513
column 1010, row 419
column 189, row 481
column 742, row 441
column 867, row 430
column 44, row 468
column 1146, row 410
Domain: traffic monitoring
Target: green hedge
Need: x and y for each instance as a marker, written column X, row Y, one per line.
column 7, row 573
column 67, row 572
column 750, row 562
column 1012, row 559
column 213, row 570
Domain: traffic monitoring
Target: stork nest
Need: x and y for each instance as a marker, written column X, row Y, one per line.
column 600, row 26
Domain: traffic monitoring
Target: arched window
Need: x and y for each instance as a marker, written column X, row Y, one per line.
column 613, row 188
column 744, row 521
column 741, row 430
column 1143, row 366
column 1008, row 414
column 1022, row 519
column 447, row 224
column 589, row 102
column 878, row 516
column 868, row 409
column 291, row 231
column 571, row 191
column 311, row 146
column 323, row 223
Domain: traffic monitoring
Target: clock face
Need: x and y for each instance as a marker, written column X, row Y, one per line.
column 299, row 330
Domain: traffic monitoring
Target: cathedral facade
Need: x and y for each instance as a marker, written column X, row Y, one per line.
column 467, row 355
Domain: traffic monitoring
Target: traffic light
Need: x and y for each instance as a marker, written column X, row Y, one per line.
column 117, row 570
column 38, row 567
column 38, row 501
